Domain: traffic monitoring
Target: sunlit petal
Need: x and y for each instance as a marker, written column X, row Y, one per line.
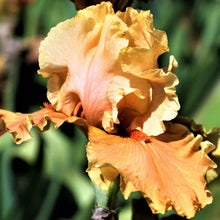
column 164, row 102
column 168, row 170
column 82, row 65
column 103, row 61
column 20, row 124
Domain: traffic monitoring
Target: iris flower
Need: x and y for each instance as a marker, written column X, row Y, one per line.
column 104, row 77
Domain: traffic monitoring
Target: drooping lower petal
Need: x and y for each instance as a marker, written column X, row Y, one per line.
column 20, row 124
column 168, row 170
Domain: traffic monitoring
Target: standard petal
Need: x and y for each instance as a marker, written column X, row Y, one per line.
column 129, row 96
column 139, row 59
column 168, row 170
column 158, row 101
column 20, row 124
column 81, row 56
column 144, row 100
column 141, row 32
column 145, row 42
column 164, row 103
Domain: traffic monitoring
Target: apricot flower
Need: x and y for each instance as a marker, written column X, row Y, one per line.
column 104, row 76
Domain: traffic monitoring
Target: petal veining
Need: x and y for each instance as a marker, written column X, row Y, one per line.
column 82, row 65
column 168, row 170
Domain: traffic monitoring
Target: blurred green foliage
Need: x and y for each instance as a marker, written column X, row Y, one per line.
column 45, row 177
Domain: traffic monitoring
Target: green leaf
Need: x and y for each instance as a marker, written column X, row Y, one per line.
column 49, row 200
column 60, row 155
column 42, row 15
column 29, row 149
column 208, row 113
column 7, row 196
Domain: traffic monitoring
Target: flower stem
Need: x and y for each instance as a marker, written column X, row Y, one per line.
column 106, row 202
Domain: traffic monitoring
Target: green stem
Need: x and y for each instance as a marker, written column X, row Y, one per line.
column 106, row 201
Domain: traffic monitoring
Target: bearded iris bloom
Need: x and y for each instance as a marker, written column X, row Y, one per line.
column 104, row 77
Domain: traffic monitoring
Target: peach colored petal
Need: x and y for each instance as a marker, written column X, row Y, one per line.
column 162, row 104
column 81, row 55
column 145, row 43
column 172, row 66
column 168, row 170
column 20, row 124
column 138, row 59
column 105, row 174
column 41, row 117
column 210, row 139
column 143, row 101
column 129, row 96
column 16, row 123
column 157, row 100
column 141, row 32
column 108, row 123
column 99, row 61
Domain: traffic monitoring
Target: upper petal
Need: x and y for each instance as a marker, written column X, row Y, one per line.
column 98, row 60
column 164, row 105
column 141, row 32
column 82, row 55
column 129, row 96
column 168, row 170
column 148, row 99
column 145, row 42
